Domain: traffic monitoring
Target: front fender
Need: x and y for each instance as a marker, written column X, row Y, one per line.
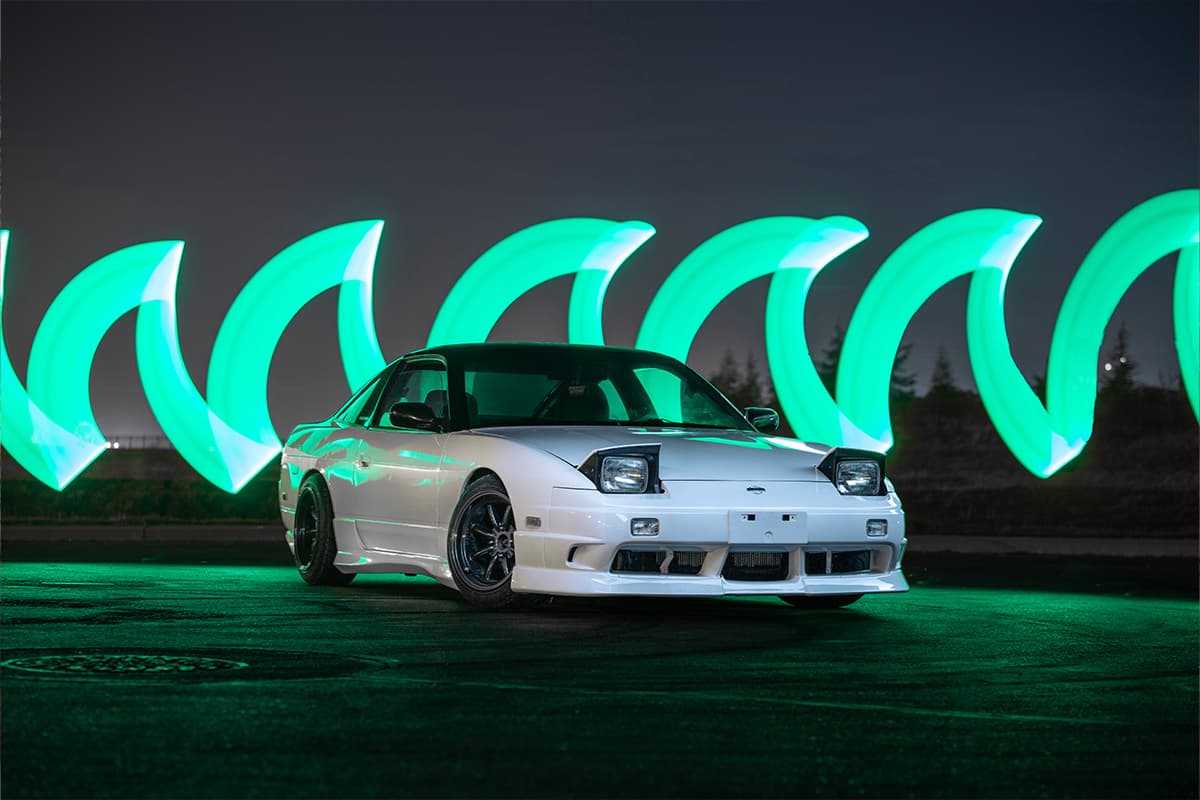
column 528, row 474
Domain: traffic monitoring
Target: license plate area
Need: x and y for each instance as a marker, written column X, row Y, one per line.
column 768, row 527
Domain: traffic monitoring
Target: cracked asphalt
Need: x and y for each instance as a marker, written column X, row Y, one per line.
column 153, row 679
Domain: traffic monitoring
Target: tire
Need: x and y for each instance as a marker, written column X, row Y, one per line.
column 817, row 602
column 480, row 547
column 315, row 546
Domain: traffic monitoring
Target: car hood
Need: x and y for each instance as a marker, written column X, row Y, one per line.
column 685, row 453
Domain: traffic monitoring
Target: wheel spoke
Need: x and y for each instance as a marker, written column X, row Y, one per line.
column 482, row 551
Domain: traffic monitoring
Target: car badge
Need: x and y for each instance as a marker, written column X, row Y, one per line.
column 756, row 489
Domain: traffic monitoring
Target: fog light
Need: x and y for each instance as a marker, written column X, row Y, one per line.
column 877, row 527
column 643, row 526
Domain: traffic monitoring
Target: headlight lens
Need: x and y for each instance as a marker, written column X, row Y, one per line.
column 624, row 474
column 857, row 477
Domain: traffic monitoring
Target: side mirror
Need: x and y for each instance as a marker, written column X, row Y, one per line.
column 764, row 420
column 413, row 415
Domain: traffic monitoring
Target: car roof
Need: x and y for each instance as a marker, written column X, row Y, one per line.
column 482, row 348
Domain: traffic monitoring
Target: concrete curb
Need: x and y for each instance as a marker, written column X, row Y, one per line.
column 1129, row 547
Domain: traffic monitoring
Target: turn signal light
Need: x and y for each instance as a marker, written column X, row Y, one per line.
column 643, row 526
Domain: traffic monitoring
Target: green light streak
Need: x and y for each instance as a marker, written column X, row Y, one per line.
column 38, row 443
column 227, row 442
column 1187, row 322
column 980, row 240
column 792, row 248
column 50, row 428
column 591, row 249
column 1145, row 234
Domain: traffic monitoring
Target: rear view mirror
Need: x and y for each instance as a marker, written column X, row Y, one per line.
column 764, row 420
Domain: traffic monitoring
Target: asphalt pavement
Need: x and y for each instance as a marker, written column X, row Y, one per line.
column 160, row 679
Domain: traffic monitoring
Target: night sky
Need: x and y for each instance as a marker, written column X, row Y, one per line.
column 242, row 127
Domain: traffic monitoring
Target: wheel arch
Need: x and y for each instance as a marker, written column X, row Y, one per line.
column 476, row 474
column 320, row 475
column 315, row 471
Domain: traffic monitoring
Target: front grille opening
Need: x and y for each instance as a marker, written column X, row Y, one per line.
column 676, row 562
column 686, row 562
column 837, row 562
column 756, row 565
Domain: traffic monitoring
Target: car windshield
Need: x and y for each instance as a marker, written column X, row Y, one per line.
column 563, row 386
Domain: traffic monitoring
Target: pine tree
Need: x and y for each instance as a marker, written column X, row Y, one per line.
column 827, row 368
column 750, row 392
column 728, row 377
column 942, row 382
column 903, row 380
column 1119, row 366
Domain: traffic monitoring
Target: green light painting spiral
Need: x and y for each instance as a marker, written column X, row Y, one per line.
column 48, row 426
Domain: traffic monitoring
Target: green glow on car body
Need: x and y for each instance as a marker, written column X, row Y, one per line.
column 753, row 444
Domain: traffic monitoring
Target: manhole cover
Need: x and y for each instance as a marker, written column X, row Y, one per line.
column 206, row 664
column 109, row 663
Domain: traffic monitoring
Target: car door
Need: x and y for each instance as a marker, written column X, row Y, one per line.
column 398, row 471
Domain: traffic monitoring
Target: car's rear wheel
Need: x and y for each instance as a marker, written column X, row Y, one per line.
column 314, row 545
column 481, row 547
column 817, row 602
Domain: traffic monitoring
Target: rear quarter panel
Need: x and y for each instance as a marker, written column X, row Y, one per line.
column 327, row 448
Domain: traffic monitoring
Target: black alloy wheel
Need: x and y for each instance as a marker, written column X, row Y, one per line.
column 482, row 548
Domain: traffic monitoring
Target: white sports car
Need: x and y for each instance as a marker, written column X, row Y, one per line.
column 512, row 472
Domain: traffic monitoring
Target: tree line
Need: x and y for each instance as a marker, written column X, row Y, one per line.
column 744, row 384
column 1123, row 405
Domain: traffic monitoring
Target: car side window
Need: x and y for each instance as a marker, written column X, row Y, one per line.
column 358, row 410
column 422, row 382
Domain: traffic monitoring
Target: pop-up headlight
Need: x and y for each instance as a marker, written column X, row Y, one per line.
column 623, row 470
column 627, row 474
column 858, row 472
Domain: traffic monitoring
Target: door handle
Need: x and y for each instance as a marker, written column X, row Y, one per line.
column 363, row 462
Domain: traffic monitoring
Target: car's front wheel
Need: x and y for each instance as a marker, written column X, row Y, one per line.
column 481, row 547
column 817, row 602
column 314, row 545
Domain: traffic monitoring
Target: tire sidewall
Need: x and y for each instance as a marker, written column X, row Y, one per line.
column 502, row 595
column 320, row 569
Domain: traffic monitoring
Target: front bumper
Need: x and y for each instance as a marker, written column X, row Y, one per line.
column 792, row 522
